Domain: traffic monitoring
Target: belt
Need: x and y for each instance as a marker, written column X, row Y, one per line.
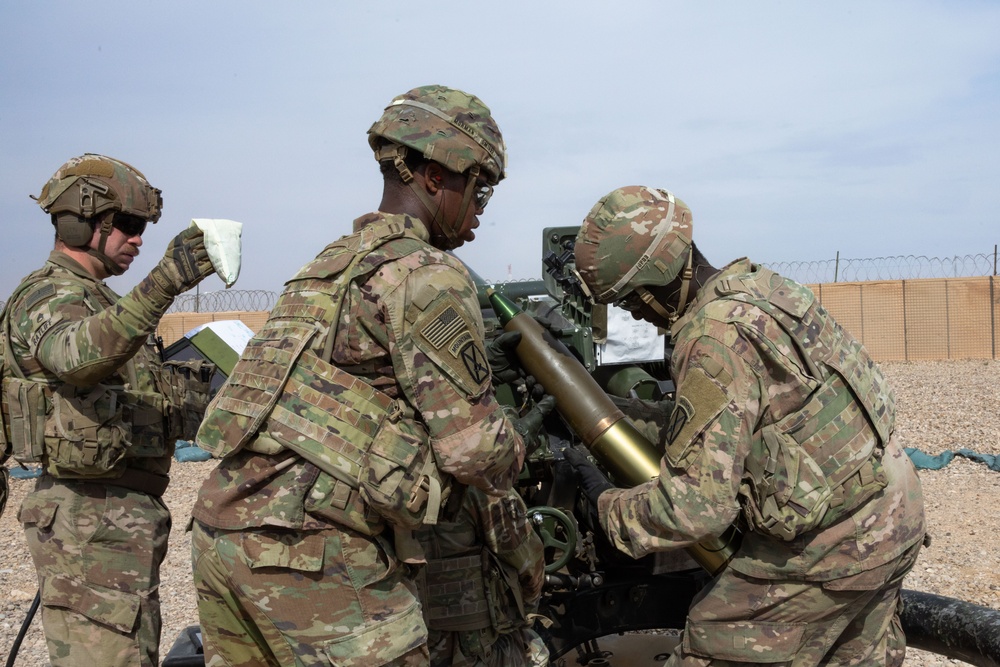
column 133, row 480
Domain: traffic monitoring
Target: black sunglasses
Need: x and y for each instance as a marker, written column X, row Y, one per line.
column 129, row 225
column 483, row 194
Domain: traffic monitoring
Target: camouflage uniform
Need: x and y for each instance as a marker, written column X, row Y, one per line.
column 292, row 565
column 483, row 579
column 70, row 330
column 783, row 423
column 85, row 394
column 737, row 369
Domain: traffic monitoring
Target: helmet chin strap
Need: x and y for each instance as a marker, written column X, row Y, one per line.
column 448, row 238
column 109, row 266
column 470, row 189
column 671, row 314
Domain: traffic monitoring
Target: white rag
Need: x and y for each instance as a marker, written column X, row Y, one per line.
column 223, row 240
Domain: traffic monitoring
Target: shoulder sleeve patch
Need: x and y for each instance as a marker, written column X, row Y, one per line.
column 699, row 401
column 46, row 291
column 446, row 333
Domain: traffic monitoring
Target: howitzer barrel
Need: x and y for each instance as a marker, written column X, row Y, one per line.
column 608, row 434
column 954, row 628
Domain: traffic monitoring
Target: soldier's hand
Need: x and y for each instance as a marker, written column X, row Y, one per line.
column 530, row 424
column 500, row 354
column 592, row 481
column 184, row 264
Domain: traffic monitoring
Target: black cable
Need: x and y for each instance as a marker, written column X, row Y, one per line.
column 24, row 629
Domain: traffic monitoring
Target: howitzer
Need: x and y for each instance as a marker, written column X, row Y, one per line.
column 593, row 592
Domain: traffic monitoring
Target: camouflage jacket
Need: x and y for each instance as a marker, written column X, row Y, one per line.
column 738, row 371
column 413, row 330
column 68, row 329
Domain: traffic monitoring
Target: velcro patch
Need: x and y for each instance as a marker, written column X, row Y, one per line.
column 446, row 333
column 475, row 362
column 46, row 291
column 682, row 414
column 444, row 328
column 699, row 401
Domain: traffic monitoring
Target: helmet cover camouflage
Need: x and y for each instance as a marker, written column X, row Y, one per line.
column 90, row 184
column 632, row 236
column 445, row 125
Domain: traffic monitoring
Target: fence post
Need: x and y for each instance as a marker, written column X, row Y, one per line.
column 906, row 333
column 836, row 267
column 993, row 315
column 947, row 316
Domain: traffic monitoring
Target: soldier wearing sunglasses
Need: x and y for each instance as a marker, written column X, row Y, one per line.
column 86, row 396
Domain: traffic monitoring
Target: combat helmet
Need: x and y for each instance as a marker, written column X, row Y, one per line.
column 632, row 237
column 89, row 185
column 450, row 127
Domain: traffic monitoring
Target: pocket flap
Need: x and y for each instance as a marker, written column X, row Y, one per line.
column 37, row 512
column 113, row 608
column 304, row 554
column 379, row 643
column 744, row 641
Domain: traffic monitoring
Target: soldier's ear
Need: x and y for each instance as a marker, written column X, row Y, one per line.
column 434, row 176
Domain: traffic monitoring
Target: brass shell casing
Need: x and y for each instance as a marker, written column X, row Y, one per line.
column 612, row 439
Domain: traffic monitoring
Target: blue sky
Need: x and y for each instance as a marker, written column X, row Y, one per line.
column 793, row 130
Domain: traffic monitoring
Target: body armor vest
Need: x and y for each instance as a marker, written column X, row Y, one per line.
column 93, row 433
column 373, row 453
column 813, row 466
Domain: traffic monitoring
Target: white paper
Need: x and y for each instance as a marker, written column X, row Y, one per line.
column 630, row 341
column 233, row 333
column 223, row 240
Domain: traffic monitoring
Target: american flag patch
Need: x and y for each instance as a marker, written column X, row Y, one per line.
column 444, row 327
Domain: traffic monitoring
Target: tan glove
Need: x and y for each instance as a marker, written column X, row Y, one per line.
column 184, row 264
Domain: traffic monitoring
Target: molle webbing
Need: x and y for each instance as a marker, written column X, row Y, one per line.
column 819, row 340
column 31, row 419
column 455, row 593
column 822, row 459
column 328, row 416
column 284, row 375
column 324, row 413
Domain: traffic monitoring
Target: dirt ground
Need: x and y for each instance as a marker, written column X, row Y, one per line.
column 942, row 406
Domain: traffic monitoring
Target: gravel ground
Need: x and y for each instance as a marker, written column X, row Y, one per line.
column 942, row 406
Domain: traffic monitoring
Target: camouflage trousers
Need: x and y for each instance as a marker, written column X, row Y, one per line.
column 284, row 597
column 740, row 620
column 97, row 551
column 521, row 648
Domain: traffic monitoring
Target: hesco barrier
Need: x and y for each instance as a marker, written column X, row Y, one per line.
column 918, row 320
column 923, row 319
column 173, row 326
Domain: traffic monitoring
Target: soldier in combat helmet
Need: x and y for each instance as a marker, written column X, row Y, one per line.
column 783, row 423
column 85, row 394
column 356, row 413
